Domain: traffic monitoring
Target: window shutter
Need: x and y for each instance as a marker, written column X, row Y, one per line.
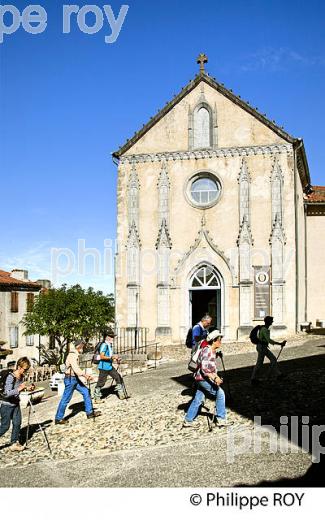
column 30, row 302
column 14, row 302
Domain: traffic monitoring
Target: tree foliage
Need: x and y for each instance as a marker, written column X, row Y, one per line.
column 68, row 313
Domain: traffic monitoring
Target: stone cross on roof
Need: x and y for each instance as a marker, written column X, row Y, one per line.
column 202, row 59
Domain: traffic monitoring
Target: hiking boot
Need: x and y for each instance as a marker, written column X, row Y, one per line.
column 61, row 421
column 188, row 424
column 17, row 447
column 120, row 392
column 223, row 423
column 94, row 414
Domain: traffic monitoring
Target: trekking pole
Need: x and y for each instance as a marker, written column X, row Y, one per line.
column 40, row 426
column 279, row 354
column 210, row 421
column 123, row 384
column 91, row 400
column 225, row 372
column 28, row 423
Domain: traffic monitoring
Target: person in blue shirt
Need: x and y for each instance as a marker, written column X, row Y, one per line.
column 106, row 368
column 201, row 330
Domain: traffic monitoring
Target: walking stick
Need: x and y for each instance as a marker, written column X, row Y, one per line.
column 40, row 426
column 123, row 384
column 279, row 354
column 227, row 378
column 91, row 400
column 28, row 423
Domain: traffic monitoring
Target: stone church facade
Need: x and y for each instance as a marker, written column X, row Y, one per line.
column 212, row 210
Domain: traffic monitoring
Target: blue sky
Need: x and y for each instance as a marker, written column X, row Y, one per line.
column 69, row 100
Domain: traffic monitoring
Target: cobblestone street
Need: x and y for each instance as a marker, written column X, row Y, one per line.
column 146, row 430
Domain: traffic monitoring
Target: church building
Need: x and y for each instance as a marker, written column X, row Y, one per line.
column 216, row 214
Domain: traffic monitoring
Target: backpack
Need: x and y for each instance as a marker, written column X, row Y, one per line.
column 3, row 378
column 96, row 356
column 188, row 341
column 254, row 334
column 194, row 363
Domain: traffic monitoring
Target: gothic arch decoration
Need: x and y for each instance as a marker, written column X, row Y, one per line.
column 133, row 197
column 244, row 243
column 163, row 240
column 277, row 243
column 133, row 255
column 205, row 276
column 202, row 236
column 244, row 181
column 163, row 195
column 202, row 125
column 163, row 246
column 133, row 246
column 277, row 191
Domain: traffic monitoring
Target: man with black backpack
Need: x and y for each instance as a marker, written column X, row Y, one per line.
column 12, row 384
column 199, row 332
column 260, row 336
column 106, row 368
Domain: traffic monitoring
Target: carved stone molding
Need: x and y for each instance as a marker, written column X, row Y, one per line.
column 237, row 151
column 163, row 240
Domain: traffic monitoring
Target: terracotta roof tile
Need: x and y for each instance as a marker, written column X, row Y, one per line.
column 7, row 280
column 317, row 195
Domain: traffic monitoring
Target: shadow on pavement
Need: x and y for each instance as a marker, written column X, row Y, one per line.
column 33, row 428
column 300, row 394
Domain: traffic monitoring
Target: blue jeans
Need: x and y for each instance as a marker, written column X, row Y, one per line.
column 72, row 384
column 8, row 414
column 203, row 388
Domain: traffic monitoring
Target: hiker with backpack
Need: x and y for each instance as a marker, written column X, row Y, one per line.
column 260, row 336
column 105, row 366
column 11, row 386
column 198, row 332
column 208, row 382
column 75, row 379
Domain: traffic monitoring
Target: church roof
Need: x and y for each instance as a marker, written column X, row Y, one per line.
column 204, row 76
column 212, row 82
column 316, row 196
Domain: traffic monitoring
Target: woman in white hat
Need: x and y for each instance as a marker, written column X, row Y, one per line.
column 208, row 381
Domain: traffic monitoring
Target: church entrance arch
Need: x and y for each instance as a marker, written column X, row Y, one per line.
column 206, row 295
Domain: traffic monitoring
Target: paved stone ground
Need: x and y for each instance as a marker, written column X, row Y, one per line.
column 140, row 442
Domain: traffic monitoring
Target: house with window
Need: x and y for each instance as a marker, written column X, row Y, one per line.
column 216, row 213
column 17, row 295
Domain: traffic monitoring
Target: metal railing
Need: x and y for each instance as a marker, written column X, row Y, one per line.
column 131, row 338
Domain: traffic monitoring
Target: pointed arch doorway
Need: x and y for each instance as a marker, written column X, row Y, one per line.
column 206, row 295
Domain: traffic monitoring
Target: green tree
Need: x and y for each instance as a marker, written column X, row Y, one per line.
column 67, row 313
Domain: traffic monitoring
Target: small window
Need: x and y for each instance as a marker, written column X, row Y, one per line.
column 203, row 190
column 14, row 301
column 30, row 302
column 30, row 340
column 202, row 128
column 13, row 334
